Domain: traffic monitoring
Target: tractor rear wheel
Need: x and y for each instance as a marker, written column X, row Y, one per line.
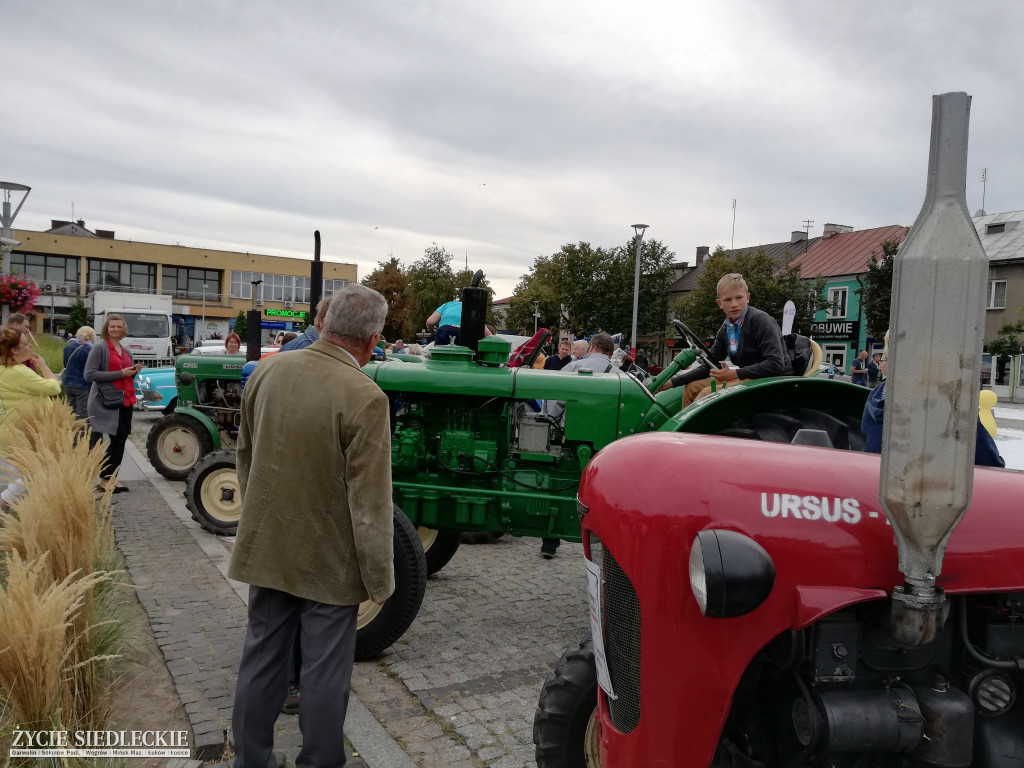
column 565, row 726
column 438, row 547
column 175, row 445
column 379, row 626
column 212, row 494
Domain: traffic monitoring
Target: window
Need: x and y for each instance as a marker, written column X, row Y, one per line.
column 995, row 229
column 996, row 294
column 241, row 285
column 187, row 283
column 302, row 290
column 333, row 286
column 121, row 276
column 277, row 287
column 836, row 303
column 60, row 272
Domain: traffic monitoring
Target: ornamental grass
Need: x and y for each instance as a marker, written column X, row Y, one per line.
column 60, row 595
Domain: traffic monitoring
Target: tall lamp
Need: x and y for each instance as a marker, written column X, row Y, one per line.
column 638, row 229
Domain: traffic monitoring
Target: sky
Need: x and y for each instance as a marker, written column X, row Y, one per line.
column 499, row 131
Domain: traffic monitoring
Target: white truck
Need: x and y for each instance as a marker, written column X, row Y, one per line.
column 150, row 324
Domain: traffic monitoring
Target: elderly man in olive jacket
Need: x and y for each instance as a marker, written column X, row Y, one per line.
column 315, row 535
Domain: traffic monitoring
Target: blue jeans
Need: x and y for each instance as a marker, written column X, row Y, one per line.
column 446, row 332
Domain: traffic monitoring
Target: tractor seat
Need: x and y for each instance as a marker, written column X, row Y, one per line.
column 803, row 354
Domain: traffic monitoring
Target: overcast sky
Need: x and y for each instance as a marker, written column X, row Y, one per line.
column 500, row 130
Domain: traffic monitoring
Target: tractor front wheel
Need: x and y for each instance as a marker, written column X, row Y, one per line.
column 565, row 725
column 175, row 445
column 212, row 494
column 379, row 626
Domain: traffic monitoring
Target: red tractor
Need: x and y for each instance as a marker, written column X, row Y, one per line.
column 798, row 605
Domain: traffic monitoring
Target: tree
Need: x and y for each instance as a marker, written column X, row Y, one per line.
column 241, row 325
column 876, row 289
column 432, row 283
column 582, row 289
column 78, row 316
column 1008, row 341
column 770, row 288
column 392, row 282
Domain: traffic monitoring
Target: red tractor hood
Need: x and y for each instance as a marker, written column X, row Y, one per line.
column 816, row 513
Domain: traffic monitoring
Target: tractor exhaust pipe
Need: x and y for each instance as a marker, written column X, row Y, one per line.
column 474, row 312
column 934, row 369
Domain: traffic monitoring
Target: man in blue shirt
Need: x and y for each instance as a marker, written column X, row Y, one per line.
column 859, row 369
column 447, row 318
column 312, row 333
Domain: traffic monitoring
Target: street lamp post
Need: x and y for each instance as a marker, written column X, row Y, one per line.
column 638, row 229
column 536, row 316
column 204, row 307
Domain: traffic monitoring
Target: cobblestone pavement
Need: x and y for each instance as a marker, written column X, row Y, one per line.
column 459, row 689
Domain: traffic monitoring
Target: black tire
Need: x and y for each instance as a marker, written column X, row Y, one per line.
column 175, row 445
column 562, row 727
column 380, row 626
column 438, row 547
column 170, row 406
column 212, row 493
column 481, row 537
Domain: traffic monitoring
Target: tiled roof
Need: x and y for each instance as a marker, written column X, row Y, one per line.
column 847, row 253
column 780, row 253
column 1006, row 245
column 497, row 302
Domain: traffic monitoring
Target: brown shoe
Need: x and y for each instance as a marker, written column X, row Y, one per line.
column 291, row 702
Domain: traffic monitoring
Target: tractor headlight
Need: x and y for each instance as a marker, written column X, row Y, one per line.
column 730, row 574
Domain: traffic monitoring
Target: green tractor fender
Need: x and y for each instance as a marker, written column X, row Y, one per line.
column 203, row 419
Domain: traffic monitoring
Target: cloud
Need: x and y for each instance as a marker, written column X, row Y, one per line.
column 501, row 130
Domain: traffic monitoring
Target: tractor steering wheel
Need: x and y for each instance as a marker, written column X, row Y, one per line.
column 696, row 344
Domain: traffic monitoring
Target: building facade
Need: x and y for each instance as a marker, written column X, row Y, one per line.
column 208, row 287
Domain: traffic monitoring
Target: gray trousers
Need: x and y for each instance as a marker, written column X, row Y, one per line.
column 78, row 399
column 328, row 650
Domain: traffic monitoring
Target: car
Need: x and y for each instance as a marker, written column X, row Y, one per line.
column 217, row 348
column 156, row 390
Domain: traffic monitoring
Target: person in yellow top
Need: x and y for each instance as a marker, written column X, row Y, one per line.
column 18, row 384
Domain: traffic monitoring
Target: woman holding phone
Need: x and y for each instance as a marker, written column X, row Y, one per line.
column 112, row 396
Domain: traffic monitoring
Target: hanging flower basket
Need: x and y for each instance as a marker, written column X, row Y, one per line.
column 19, row 293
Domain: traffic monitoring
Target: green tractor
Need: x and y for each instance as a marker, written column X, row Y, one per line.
column 475, row 450
column 205, row 416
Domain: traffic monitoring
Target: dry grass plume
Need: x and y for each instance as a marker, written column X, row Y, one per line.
column 59, row 546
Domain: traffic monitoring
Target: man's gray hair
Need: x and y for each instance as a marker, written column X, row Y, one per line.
column 356, row 313
column 602, row 342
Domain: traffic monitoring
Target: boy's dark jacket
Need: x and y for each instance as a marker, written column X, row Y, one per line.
column 759, row 353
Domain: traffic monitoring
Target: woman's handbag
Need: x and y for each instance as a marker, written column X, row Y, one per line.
column 112, row 397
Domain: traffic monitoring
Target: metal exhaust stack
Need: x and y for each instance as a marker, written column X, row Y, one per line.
column 934, row 365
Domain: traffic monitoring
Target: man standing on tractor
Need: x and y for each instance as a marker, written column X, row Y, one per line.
column 749, row 337
column 312, row 544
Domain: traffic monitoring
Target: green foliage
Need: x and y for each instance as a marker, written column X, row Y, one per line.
column 770, row 288
column 1009, row 339
column 241, row 325
column 51, row 349
column 392, row 282
column 78, row 316
column 582, row 289
column 876, row 291
column 432, row 283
